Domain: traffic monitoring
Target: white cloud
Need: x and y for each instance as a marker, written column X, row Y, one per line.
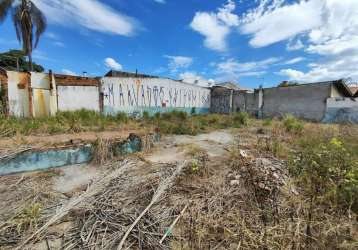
column 194, row 78
column 160, row 1
column 226, row 16
column 68, row 72
column 294, row 60
column 52, row 35
column 346, row 43
column 112, row 64
column 55, row 39
column 59, row 44
column 291, row 73
column 231, row 69
column 178, row 62
column 333, row 69
column 329, row 27
column 280, row 22
column 215, row 27
column 91, row 14
column 294, row 46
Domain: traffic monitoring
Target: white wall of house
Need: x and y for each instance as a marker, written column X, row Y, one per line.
column 136, row 95
column 341, row 110
column 44, row 101
column 18, row 98
column 71, row 98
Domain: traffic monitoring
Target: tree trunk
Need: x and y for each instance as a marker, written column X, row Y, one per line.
column 30, row 62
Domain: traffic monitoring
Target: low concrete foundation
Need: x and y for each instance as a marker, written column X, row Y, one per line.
column 38, row 160
column 35, row 160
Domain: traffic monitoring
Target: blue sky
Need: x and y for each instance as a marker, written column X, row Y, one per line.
column 246, row 41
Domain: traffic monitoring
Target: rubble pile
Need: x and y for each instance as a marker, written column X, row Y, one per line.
column 265, row 176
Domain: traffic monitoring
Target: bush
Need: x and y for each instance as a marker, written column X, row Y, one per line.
column 146, row 115
column 328, row 173
column 292, row 124
column 267, row 122
column 122, row 117
column 241, row 119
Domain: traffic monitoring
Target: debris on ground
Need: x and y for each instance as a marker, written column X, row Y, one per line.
column 212, row 191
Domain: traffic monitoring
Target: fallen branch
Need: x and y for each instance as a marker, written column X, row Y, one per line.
column 162, row 188
column 92, row 190
column 170, row 229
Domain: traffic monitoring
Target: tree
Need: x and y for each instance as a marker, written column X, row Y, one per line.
column 29, row 23
column 287, row 84
column 15, row 60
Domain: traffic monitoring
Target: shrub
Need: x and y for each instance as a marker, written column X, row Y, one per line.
column 241, row 119
column 146, row 115
column 157, row 116
column 122, row 117
column 28, row 218
column 292, row 124
column 267, row 122
column 328, row 173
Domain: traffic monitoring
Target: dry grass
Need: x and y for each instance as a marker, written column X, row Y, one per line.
column 236, row 202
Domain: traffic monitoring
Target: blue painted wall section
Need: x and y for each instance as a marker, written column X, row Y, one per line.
column 138, row 111
column 341, row 115
column 131, row 145
column 38, row 160
column 51, row 158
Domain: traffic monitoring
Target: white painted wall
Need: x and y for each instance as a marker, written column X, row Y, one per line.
column 342, row 102
column 41, row 102
column 53, row 98
column 341, row 110
column 71, row 98
column 40, row 80
column 152, row 94
column 44, row 99
column 18, row 98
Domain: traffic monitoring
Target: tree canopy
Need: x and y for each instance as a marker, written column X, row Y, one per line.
column 8, row 61
column 287, row 84
column 29, row 22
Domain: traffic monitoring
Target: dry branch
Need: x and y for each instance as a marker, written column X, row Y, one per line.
column 92, row 190
column 162, row 188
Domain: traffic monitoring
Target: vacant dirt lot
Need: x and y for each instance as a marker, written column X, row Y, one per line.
column 225, row 189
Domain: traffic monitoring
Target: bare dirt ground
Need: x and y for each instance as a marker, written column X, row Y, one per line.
column 209, row 191
column 54, row 188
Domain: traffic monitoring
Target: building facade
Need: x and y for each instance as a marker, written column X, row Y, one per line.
column 330, row 101
column 134, row 95
column 33, row 94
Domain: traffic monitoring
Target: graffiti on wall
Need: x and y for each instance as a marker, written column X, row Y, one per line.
column 221, row 104
column 152, row 94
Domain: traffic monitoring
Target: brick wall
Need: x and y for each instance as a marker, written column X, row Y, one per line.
column 66, row 80
column 3, row 93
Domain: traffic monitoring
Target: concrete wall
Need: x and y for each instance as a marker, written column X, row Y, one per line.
column 341, row 110
column 44, row 98
column 221, row 100
column 246, row 102
column 30, row 95
column 303, row 101
column 18, row 94
column 136, row 95
column 3, row 93
column 71, row 98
